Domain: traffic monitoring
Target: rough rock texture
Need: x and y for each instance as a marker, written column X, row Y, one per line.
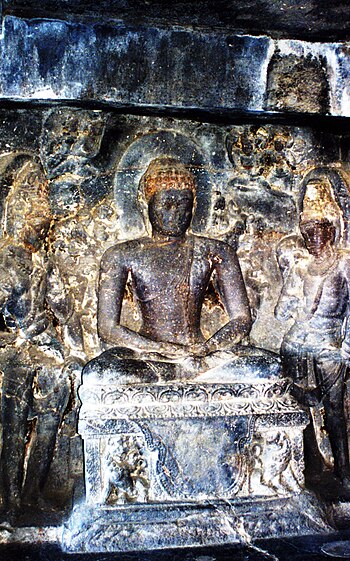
column 250, row 188
column 175, row 69
column 297, row 84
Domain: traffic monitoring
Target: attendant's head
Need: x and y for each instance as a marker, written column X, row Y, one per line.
column 318, row 234
column 169, row 188
column 321, row 218
column 27, row 215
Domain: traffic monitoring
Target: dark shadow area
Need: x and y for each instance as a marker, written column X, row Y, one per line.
column 218, row 116
column 313, row 20
column 295, row 549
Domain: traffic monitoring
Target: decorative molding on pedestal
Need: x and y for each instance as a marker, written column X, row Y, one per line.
column 189, row 464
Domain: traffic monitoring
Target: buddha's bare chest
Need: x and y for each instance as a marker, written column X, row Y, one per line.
column 169, row 273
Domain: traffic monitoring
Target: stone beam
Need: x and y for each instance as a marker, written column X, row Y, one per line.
column 175, row 69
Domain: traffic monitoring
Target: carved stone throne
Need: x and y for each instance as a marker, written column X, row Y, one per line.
column 189, row 464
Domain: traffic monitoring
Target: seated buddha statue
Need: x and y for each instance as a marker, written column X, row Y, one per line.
column 169, row 273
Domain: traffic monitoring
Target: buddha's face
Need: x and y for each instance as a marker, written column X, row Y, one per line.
column 317, row 234
column 170, row 211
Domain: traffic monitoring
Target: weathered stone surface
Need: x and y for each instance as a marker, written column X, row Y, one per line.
column 174, row 293
column 297, row 84
column 142, row 470
column 163, row 384
column 218, row 524
column 179, row 69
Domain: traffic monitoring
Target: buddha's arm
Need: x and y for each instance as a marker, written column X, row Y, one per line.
column 113, row 277
column 234, row 297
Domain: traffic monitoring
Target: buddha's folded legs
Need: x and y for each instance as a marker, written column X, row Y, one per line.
column 240, row 363
column 128, row 367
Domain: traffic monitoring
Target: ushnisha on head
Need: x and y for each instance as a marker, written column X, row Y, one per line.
column 169, row 189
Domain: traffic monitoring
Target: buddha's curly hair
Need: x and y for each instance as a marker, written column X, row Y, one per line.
column 166, row 173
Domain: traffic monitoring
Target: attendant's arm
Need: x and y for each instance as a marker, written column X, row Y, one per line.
column 234, row 297
column 6, row 287
column 60, row 301
column 114, row 273
column 6, row 337
column 288, row 302
column 345, row 348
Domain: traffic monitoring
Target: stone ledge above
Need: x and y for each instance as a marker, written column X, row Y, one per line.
column 177, row 69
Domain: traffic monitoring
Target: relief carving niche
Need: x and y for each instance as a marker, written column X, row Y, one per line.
column 174, row 330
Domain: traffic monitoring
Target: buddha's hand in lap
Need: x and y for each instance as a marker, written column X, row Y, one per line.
column 166, row 352
column 199, row 350
column 191, row 364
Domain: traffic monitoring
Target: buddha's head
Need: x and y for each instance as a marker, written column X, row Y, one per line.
column 169, row 189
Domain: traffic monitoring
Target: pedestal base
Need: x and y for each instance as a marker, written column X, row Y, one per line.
column 156, row 527
column 173, row 465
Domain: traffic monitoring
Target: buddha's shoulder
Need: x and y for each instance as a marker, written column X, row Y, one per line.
column 125, row 249
column 212, row 245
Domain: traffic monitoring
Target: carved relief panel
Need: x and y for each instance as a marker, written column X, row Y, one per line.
column 70, row 191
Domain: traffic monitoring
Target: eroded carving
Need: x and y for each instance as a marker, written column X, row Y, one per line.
column 84, row 216
column 182, row 364
column 124, row 471
column 167, row 382
column 271, row 471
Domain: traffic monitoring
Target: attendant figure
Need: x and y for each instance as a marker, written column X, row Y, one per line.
column 316, row 349
column 31, row 351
